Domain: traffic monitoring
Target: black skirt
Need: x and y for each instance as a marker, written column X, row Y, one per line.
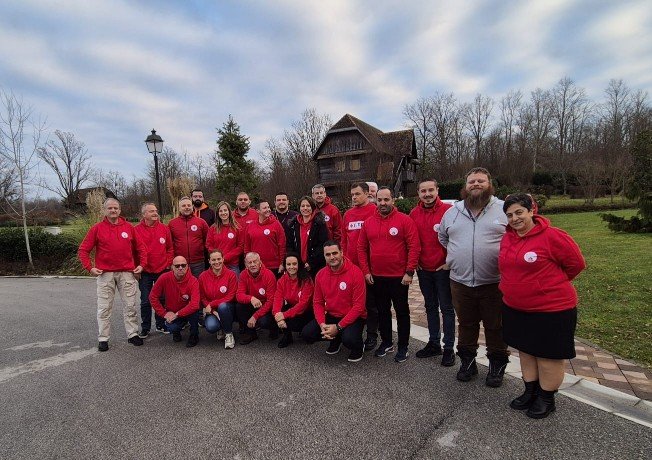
column 541, row 334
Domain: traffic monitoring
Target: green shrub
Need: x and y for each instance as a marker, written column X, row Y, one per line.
column 451, row 190
column 405, row 205
column 632, row 225
column 48, row 251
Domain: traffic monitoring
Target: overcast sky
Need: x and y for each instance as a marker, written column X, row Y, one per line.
column 111, row 70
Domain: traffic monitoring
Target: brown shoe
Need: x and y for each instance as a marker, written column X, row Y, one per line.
column 246, row 339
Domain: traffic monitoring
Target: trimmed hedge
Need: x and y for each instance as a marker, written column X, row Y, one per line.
column 49, row 252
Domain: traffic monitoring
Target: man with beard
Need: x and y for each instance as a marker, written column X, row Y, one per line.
column 243, row 213
column 201, row 208
column 373, row 191
column 471, row 232
column 282, row 211
column 331, row 213
column 189, row 236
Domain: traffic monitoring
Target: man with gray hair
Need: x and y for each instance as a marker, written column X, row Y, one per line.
column 332, row 215
column 373, row 191
column 189, row 236
column 115, row 242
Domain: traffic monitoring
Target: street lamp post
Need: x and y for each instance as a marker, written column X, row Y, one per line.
column 155, row 146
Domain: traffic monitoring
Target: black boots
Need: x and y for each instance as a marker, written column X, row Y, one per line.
column 543, row 405
column 527, row 398
column 468, row 368
column 497, row 365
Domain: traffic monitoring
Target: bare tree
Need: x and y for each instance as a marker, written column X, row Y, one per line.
column 70, row 161
column 477, row 115
column 419, row 117
column 445, row 117
column 20, row 139
column 8, row 182
column 536, row 124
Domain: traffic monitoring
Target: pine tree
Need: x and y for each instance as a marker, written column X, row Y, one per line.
column 235, row 172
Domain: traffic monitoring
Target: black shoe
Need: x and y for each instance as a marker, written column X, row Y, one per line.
column 273, row 334
column 247, row 338
column 176, row 336
column 383, row 349
column 543, row 405
column 192, row 341
column 103, row 346
column 401, row 355
column 162, row 329
column 449, row 357
column 370, row 343
column 355, row 356
column 334, row 346
column 135, row 340
column 468, row 368
column 497, row 367
column 286, row 340
column 527, row 398
column 144, row 333
column 431, row 349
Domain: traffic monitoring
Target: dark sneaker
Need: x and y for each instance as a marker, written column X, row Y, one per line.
column 103, row 346
column 192, row 341
column 383, row 349
column 370, row 343
column 448, row 359
column 135, row 340
column 468, row 368
column 431, row 349
column 355, row 356
column 496, row 372
column 144, row 334
column 176, row 336
column 286, row 340
column 334, row 347
column 273, row 334
column 162, row 329
column 401, row 355
column 246, row 339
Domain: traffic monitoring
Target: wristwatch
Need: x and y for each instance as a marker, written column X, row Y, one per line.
column 339, row 328
column 409, row 272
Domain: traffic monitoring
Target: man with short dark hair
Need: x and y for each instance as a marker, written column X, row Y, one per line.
column 115, row 241
column 339, row 305
column 282, row 211
column 201, row 208
column 243, row 213
column 189, row 236
column 331, row 213
column 471, row 232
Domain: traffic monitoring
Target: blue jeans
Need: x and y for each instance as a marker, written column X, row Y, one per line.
column 177, row 324
column 212, row 323
column 235, row 269
column 145, row 284
column 436, row 289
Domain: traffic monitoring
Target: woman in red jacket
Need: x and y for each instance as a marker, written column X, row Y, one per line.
column 217, row 288
column 292, row 308
column 307, row 235
column 226, row 236
column 537, row 264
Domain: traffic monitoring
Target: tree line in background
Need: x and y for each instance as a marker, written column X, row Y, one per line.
column 549, row 141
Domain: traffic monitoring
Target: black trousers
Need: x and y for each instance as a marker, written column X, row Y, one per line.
column 244, row 311
column 295, row 324
column 389, row 292
column 351, row 336
column 372, row 313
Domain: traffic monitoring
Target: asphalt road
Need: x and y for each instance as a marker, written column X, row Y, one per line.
column 60, row 398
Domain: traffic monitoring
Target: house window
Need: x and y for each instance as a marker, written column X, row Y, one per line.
column 355, row 164
column 340, row 165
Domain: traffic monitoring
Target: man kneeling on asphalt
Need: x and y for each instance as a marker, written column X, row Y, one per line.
column 339, row 304
column 175, row 297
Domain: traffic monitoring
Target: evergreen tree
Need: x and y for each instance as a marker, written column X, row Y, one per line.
column 235, row 172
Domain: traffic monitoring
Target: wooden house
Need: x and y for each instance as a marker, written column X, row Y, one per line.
column 354, row 151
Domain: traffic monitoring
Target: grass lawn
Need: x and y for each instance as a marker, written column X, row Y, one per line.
column 561, row 201
column 615, row 291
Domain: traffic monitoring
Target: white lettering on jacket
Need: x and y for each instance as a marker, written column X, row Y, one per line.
column 357, row 225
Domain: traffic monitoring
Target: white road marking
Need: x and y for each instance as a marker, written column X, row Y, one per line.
column 41, row 364
column 48, row 344
column 448, row 440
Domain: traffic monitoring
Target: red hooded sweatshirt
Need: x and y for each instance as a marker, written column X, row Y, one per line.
column 351, row 225
column 216, row 289
column 433, row 254
column 333, row 219
column 181, row 297
column 536, row 270
column 229, row 240
column 261, row 287
column 340, row 294
column 158, row 241
column 268, row 240
column 388, row 245
column 115, row 246
column 297, row 296
column 188, row 237
column 243, row 221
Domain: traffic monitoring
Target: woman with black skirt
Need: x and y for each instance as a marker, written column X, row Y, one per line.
column 537, row 264
column 307, row 235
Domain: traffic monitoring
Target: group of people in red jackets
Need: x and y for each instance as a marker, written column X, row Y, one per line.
column 331, row 277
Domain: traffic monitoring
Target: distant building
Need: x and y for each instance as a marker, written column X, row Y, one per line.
column 354, row 151
column 80, row 199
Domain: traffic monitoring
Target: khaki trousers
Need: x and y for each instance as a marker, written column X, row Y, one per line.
column 127, row 285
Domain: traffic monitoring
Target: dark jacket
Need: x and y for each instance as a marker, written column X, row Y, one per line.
column 317, row 237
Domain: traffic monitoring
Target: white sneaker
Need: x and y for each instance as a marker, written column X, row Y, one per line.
column 229, row 341
column 220, row 335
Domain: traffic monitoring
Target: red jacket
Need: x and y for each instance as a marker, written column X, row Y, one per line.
column 333, row 219
column 228, row 240
column 388, row 245
column 268, row 240
column 115, row 246
column 536, row 270
column 245, row 220
column 180, row 297
column 351, row 225
column 433, row 254
column 297, row 296
column 188, row 237
column 158, row 241
column 215, row 290
column 340, row 294
column 261, row 287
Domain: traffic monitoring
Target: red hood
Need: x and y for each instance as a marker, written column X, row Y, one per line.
column 327, row 201
column 391, row 213
column 185, row 278
column 121, row 221
column 541, row 223
column 271, row 219
column 438, row 203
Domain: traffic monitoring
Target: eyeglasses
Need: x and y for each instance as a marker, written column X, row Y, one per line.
column 180, row 265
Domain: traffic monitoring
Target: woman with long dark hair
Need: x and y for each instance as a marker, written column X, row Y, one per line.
column 226, row 236
column 307, row 235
